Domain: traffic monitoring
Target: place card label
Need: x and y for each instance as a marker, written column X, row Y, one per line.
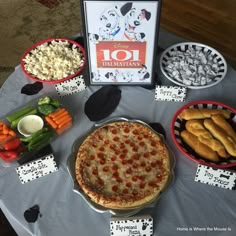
column 129, row 226
column 36, row 169
column 71, row 86
column 216, row 177
column 170, row 93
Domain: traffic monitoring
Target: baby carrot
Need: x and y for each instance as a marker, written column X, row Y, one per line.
column 4, row 137
column 63, row 128
column 51, row 122
column 62, row 118
column 61, row 114
column 12, row 133
column 5, row 130
column 58, row 112
column 65, row 121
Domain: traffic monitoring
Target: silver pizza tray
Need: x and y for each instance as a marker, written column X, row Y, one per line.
column 98, row 208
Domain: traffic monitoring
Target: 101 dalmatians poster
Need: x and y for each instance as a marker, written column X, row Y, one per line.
column 121, row 40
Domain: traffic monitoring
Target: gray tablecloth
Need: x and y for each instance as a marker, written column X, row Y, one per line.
column 185, row 204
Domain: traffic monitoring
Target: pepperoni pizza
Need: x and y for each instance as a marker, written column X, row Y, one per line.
column 122, row 165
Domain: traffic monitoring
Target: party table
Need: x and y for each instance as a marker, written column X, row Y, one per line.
column 186, row 208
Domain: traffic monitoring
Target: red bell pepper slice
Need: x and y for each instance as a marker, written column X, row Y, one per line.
column 12, row 144
column 8, row 156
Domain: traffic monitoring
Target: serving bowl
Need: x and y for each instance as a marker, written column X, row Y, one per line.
column 30, row 124
column 53, row 60
column 178, row 125
column 193, row 65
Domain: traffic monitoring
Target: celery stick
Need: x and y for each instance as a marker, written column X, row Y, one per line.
column 19, row 113
column 16, row 121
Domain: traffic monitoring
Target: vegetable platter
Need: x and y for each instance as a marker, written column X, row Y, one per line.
column 31, row 127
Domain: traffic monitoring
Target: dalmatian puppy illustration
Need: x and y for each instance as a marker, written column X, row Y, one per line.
column 116, row 76
column 95, row 76
column 93, row 38
column 110, row 21
column 111, row 76
column 143, row 73
column 134, row 18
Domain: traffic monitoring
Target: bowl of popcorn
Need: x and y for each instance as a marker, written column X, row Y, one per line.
column 193, row 65
column 53, row 60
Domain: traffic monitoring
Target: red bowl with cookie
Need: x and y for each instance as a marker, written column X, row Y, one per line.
column 205, row 132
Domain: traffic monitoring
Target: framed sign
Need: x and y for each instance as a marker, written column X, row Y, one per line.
column 121, row 40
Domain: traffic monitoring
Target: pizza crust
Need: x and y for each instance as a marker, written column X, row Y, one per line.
column 122, row 165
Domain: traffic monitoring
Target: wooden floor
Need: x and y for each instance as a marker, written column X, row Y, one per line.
column 212, row 22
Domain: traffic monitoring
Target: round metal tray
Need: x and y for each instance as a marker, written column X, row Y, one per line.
column 98, row 208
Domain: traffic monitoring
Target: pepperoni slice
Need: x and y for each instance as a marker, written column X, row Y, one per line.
column 143, row 164
column 135, row 165
column 153, row 152
column 146, row 155
column 136, row 157
column 105, row 168
column 92, row 157
column 102, row 149
column 128, row 184
column 125, row 151
column 116, row 139
column 134, row 178
column 126, row 130
column 125, row 191
column 101, row 155
column 122, row 156
column 95, row 172
column 103, row 161
column 127, row 141
column 87, row 164
column 135, row 132
column 106, row 142
column 100, row 182
column 153, row 144
column 114, row 167
column 135, row 149
column 119, row 180
column 114, row 188
column 148, row 168
column 130, row 161
column 115, row 174
column 141, row 177
column 113, row 158
column 142, row 185
column 159, row 177
column 153, row 164
column 124, row 162
column 114, row 131
column 140, row 137
column 142, row 144
column 129, row 171
column 152, row 184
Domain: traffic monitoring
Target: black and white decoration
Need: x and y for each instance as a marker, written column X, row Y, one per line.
column 170, row 93
column 36, row 169
column 216, row 177
column 131, row 226
column 71, row 86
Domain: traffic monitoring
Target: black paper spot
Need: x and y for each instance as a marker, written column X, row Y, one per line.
column 102, row 103
column 31, row 89
column 31, row 215
column 158, row 128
